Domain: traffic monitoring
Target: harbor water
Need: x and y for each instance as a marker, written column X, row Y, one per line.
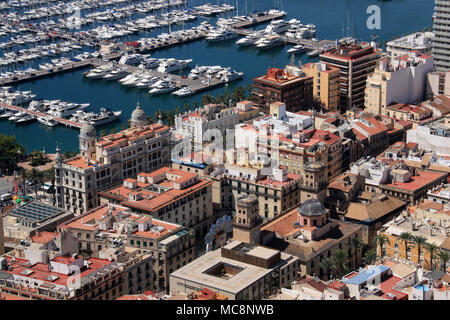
column 333, row 19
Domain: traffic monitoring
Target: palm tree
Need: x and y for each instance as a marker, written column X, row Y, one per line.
column 23, row 176
column 35, row 176
column 381, row 240
column 405, row 237
column 356, row 244
column 443, row 257
column 177, row 110
column 419, row 241
column 370, row 257
column 431, row 248
column 340, row 262
column 327, row 266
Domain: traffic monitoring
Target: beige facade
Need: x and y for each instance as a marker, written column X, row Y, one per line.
column 105, row 162
column 106, row 229
column 438, row 83
column 325, row 84
column 167, row 194
column 239, row 271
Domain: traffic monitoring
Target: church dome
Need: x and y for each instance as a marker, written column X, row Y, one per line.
column 311, row 208
column 87, row 131
column 138, row 115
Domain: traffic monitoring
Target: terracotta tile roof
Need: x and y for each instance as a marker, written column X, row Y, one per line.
column 421, row 179
column 43, row 237
column 373, row 210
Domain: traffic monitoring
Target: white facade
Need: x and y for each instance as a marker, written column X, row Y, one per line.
column 400, row 80
column 419, row 41
column 197, row 123
column 429, row 139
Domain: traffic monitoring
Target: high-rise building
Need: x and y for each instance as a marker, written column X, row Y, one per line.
column 278, row 85
column 355, row 63
column 441, row 40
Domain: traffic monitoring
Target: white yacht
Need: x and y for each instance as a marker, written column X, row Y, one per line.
column 99, row 72
column 270, row 42
column 297, row 49
column 277, row 26
column 172, row 65
column 314, row 53
column 65, row 109
column 221, row 35
column 162, row 86
column 16, row 116
column 132, row 59
column 249, row 39
column 183, row 92
column 105, row 116
column 26, row 118
column 146, row 82
column 231, row 75
column 7, row 114
column 116, row 74
column 150, row 63
column 132, row 81
column 48, row 121
column 128, row 77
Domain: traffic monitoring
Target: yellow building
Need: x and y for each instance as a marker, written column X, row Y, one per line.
column 375, row 93
column 325, row 84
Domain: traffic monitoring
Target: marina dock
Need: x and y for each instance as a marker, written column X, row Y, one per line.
column 196, row 85
column 258, row 20
column 323, row 45
column 41, row 114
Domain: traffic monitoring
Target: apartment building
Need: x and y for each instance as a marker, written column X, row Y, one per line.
column 432, row 136
column 441, row 41
column 372, row 133
column 325, row 84
column 291, row 140
column 402, row 79
column 103, row 230
column 420, row 42
column 401, row 181
column 438, row 83
column 276, row 191
column 355, row 63
column 238, row 271
column 99, row 279
column 108, row 160
column 167, row 194
column 196, row 124
column 425, row 225
column 278, row 85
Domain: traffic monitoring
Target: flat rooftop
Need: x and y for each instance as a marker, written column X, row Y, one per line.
column 197, row 271
column 36, row 211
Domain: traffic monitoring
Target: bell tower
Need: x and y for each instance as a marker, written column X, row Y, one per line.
column 247, row 221
column 87, row 138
